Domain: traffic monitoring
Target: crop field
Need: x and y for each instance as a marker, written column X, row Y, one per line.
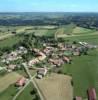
column 7, row 80
column 56, row 87
column 80, row 30
column 71, row 29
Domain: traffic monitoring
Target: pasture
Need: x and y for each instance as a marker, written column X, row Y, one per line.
column 56, row 87
column 26, row 94
column 84, row 69
column 9, row 93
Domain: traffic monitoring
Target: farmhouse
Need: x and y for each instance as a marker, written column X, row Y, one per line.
column 91, row 94
column 21, row 82
column 56, row 62
column 41, row 73
column 66, row 59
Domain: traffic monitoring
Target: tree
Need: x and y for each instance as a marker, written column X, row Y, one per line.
column 34, row 91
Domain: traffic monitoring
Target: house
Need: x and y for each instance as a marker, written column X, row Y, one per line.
column 11, row 67
column 32, row 62
column 91, row 94
column 66, row 59
column 56, row 62
column 41, row 73
column 21, row 82
column 78, row 98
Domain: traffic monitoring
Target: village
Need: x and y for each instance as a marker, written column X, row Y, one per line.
column 50, row 58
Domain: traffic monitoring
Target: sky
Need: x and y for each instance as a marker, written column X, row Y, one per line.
column 49, row 6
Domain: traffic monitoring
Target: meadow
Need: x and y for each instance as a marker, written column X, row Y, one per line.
column 84, row 69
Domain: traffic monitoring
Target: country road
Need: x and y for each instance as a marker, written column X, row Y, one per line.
column 33, row 82
column 15, row 97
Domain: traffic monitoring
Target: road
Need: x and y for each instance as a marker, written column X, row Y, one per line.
column 15, row 97
column 33, row 82
column 30, row 80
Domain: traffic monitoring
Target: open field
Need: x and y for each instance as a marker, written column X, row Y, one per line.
column 90, row 38
column 80, row 30
column 26, row 94
column 7, row 80
column 56, row 87
column 71, row 29
column 84, row 69
column 9, row 42
column 9, row 93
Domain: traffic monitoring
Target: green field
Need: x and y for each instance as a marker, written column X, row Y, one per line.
column 9, row 42
column 26, row 94
column 84, row 69
column 9, row 93
column 72, row 29
column 93, row 39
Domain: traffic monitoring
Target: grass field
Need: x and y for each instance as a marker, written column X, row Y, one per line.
column 9, row 42
column 84, row 69
column 72, row 29
column 80, row 30
column 9, row 93
column 7, row 80
column 56, row 87
column 93, row 39
column 26, row 94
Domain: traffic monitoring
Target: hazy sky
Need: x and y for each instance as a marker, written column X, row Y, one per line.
column 48, row 5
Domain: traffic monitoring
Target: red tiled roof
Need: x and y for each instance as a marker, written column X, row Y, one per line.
column 91, row 94
column 21, row 81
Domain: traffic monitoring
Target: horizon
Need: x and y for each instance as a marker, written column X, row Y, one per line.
column 49, row 6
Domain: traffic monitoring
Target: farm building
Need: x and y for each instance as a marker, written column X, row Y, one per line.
column 57, row 62
column 21, row 82
column 91, row 94
column 41, row 73
column 66, row 59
